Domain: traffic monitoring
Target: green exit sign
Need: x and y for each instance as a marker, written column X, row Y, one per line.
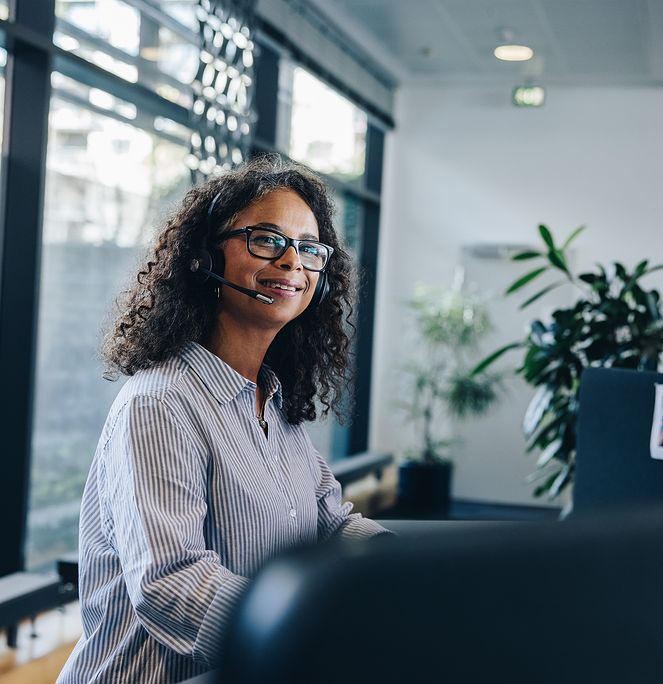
column 528, row 96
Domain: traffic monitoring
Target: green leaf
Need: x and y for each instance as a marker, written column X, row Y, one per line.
column 549, row 453
column 658, row 267
column 543, row 488
column 547, row 236
column 544, row 435
column 482, row 365
column 652, row 306
column 556, row 258
column 572, row 237
column 523, row 256
column 640, row 270
column 540, row 293
column 563, row 477
column 537, row 407
column 523, row 280
column 589, row 278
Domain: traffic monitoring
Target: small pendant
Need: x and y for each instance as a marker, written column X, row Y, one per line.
column 262, row 422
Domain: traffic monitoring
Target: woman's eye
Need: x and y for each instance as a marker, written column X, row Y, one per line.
column 267, row 241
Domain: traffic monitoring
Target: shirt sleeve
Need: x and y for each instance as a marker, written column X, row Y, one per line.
column 334, row 517
column 155, row 508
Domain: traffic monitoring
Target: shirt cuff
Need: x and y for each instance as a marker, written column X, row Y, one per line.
column 358, row 527
column 207, row 647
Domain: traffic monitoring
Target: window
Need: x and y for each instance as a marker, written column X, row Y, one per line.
column 327, row 131
column 108, row 183
column 131, row 44
column 183, row 11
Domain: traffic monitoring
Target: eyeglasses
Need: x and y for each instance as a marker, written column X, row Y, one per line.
column 266, row 243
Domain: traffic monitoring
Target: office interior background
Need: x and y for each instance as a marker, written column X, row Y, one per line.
column 113, row 108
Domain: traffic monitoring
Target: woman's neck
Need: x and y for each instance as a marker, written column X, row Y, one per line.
column 243, row 349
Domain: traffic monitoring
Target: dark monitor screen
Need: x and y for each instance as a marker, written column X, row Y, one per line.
column 565, row 602
column 614, row 467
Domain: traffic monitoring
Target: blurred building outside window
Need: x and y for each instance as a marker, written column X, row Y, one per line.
column 108, row 186
column 327, row 131
column 119, row 38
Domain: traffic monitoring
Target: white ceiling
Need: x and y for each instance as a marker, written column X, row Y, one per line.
column 583, row 42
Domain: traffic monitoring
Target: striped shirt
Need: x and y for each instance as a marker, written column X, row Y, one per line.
column 185, row 500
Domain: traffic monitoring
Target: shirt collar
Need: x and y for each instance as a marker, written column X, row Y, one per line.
column 223, row 381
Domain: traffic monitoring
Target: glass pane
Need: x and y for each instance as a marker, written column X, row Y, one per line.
column 95, row 99
column 183, row 11
column 131, row 44
column 327, row 131
column 3, row 64
column 349, row 223
column 107, row 184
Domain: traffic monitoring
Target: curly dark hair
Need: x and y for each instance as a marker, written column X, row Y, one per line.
column 167, row 306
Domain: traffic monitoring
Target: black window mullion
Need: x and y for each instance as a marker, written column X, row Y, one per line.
column 368, row 261
column 267, row 95
column 27, row 96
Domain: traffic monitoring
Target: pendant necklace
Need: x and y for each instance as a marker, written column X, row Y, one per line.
column 261, row 417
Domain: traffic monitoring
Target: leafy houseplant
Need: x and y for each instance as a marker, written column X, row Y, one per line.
column 450, row 324
column 613, row 323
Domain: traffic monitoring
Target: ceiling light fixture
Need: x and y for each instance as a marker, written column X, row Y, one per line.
column 513, row 53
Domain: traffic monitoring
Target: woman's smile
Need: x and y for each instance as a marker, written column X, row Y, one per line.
column 282, row 287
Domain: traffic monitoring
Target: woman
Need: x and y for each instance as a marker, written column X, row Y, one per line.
column 204, row 469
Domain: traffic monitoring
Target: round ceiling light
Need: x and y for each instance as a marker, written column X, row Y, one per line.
column 513, row 53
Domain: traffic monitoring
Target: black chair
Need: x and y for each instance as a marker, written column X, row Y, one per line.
column 614, row 468
column 574, row 602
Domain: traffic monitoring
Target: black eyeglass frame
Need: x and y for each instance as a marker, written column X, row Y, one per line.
column 289, row 242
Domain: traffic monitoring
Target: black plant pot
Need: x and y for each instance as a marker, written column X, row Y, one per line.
column 424, row 489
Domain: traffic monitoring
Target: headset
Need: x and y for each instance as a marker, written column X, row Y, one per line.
column 204, row 266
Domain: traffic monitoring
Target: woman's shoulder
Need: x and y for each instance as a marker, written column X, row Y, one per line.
column 160, row 381
column 165, row 386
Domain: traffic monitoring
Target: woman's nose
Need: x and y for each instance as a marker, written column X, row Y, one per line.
column 289, row 260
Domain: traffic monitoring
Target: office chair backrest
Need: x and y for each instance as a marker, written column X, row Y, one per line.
column 573, row 602
column 614, row 468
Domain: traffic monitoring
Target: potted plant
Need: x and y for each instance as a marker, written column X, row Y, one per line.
column 614, row 322
column 450, row 324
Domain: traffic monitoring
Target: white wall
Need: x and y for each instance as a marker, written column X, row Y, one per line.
column 465, row 166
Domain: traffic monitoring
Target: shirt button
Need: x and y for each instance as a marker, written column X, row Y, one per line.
column 293, row 512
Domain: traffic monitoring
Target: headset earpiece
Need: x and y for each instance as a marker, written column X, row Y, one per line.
column 203, row 257
column 321, row 290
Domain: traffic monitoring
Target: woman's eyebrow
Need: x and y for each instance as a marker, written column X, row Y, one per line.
column 278, row 229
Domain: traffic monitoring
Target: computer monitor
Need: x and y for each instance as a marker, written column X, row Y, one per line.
column 614, row 466
column 560, row 603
